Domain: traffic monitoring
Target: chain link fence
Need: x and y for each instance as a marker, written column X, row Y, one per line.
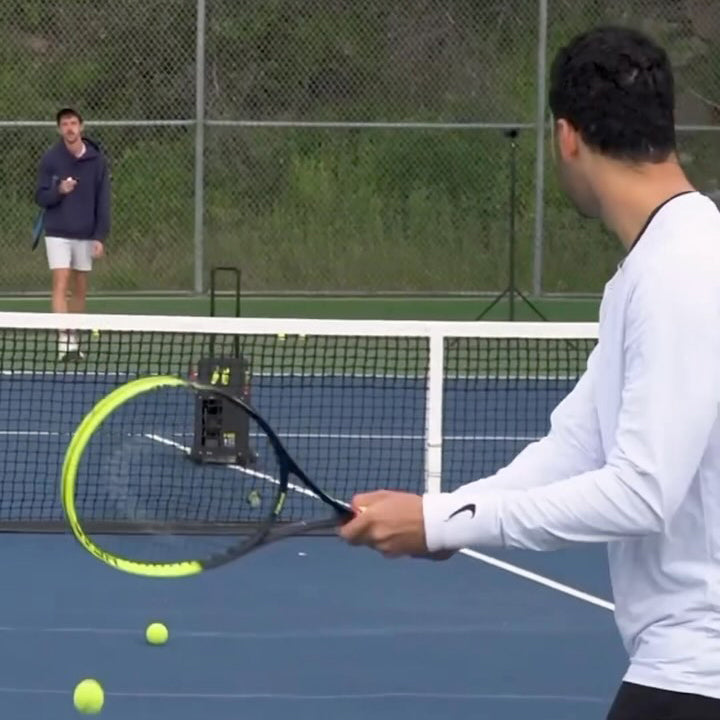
column 332, row 146
column 578, row 255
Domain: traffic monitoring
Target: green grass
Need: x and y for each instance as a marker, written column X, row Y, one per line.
column 370, row 308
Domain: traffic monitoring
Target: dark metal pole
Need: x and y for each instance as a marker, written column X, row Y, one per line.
column 511, row 290
column 512, row 134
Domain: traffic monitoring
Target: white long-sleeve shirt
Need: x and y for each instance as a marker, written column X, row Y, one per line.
column 632, row 457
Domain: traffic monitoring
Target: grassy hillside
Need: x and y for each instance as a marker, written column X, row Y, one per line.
column 326, row 209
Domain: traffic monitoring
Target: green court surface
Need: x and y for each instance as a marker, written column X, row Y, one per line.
column 372, row 308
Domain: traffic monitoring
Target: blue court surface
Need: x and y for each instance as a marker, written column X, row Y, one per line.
column 307, row 628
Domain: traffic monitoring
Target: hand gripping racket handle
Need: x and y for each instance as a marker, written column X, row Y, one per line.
column 305, row 527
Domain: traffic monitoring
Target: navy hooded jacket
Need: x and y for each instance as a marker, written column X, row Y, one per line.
column 84, row 213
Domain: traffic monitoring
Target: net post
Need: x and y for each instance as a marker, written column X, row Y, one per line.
column 434, row 412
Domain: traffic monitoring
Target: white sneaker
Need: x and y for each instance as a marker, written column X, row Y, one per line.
column 69, row 347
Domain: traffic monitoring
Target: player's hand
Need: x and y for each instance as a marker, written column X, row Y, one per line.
column 67, row 185
column 389, row 522
column 98, row 249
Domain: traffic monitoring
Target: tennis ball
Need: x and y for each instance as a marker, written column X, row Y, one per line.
column 281, row 336
column 96, row 333
column 89, row 696
column 156, row 634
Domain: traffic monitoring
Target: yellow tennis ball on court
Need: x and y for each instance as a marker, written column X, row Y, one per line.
column 156, row 634
column 281, row 336
column 96, row 333
column 89, row 696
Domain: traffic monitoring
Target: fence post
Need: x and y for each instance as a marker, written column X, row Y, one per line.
column 199, row 197
column 540, row 150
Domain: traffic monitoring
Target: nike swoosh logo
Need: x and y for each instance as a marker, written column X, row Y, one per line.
column 465, row 508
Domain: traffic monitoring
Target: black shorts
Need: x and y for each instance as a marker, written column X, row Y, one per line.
column 637, row 702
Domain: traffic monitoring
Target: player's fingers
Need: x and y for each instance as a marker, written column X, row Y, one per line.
column 356, row 531
column 365, row 500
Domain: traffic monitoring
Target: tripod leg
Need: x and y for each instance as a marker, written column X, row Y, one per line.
column 492, row 304
column 530, row 305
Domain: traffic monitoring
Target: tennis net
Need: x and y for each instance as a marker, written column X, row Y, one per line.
column 359, row 404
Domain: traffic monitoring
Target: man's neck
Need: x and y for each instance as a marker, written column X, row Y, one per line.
column 632, row 197
column 77, row 148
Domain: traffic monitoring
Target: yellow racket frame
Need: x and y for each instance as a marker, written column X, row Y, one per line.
column 84, row 431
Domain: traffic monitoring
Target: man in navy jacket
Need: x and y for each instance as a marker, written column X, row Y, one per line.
column 73, row 187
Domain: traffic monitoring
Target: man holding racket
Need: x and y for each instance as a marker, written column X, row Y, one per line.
column 73, row 187
column 632, row 458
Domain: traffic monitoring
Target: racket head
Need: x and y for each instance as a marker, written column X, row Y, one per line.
column 145, row 481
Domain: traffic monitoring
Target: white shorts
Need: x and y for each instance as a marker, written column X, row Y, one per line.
column 64, row 253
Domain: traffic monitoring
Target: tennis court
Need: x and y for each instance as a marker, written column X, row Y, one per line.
column 308, row 627
column 335, row 632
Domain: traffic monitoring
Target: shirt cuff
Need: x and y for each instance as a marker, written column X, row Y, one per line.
column 455, row 521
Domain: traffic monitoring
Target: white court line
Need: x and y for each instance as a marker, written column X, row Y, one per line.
column 337, row 633
column 491, row 438
column 508, row 567
column 339, row 696
column 314, row 436
column 283, row 636
column 365, row 436
column 238, row 468
column 92, row 375
column 541, row 580
column 32, row 433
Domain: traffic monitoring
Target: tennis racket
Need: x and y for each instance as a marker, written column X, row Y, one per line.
column 135, row 499
column 39, row 224
column 38, row 228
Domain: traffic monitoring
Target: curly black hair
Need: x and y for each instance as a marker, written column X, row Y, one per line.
column 615, row 86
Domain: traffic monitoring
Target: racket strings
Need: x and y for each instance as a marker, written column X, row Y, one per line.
column 141, row 495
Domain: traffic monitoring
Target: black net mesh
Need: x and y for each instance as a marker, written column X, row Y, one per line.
column 498, row 397
column 352, row 409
